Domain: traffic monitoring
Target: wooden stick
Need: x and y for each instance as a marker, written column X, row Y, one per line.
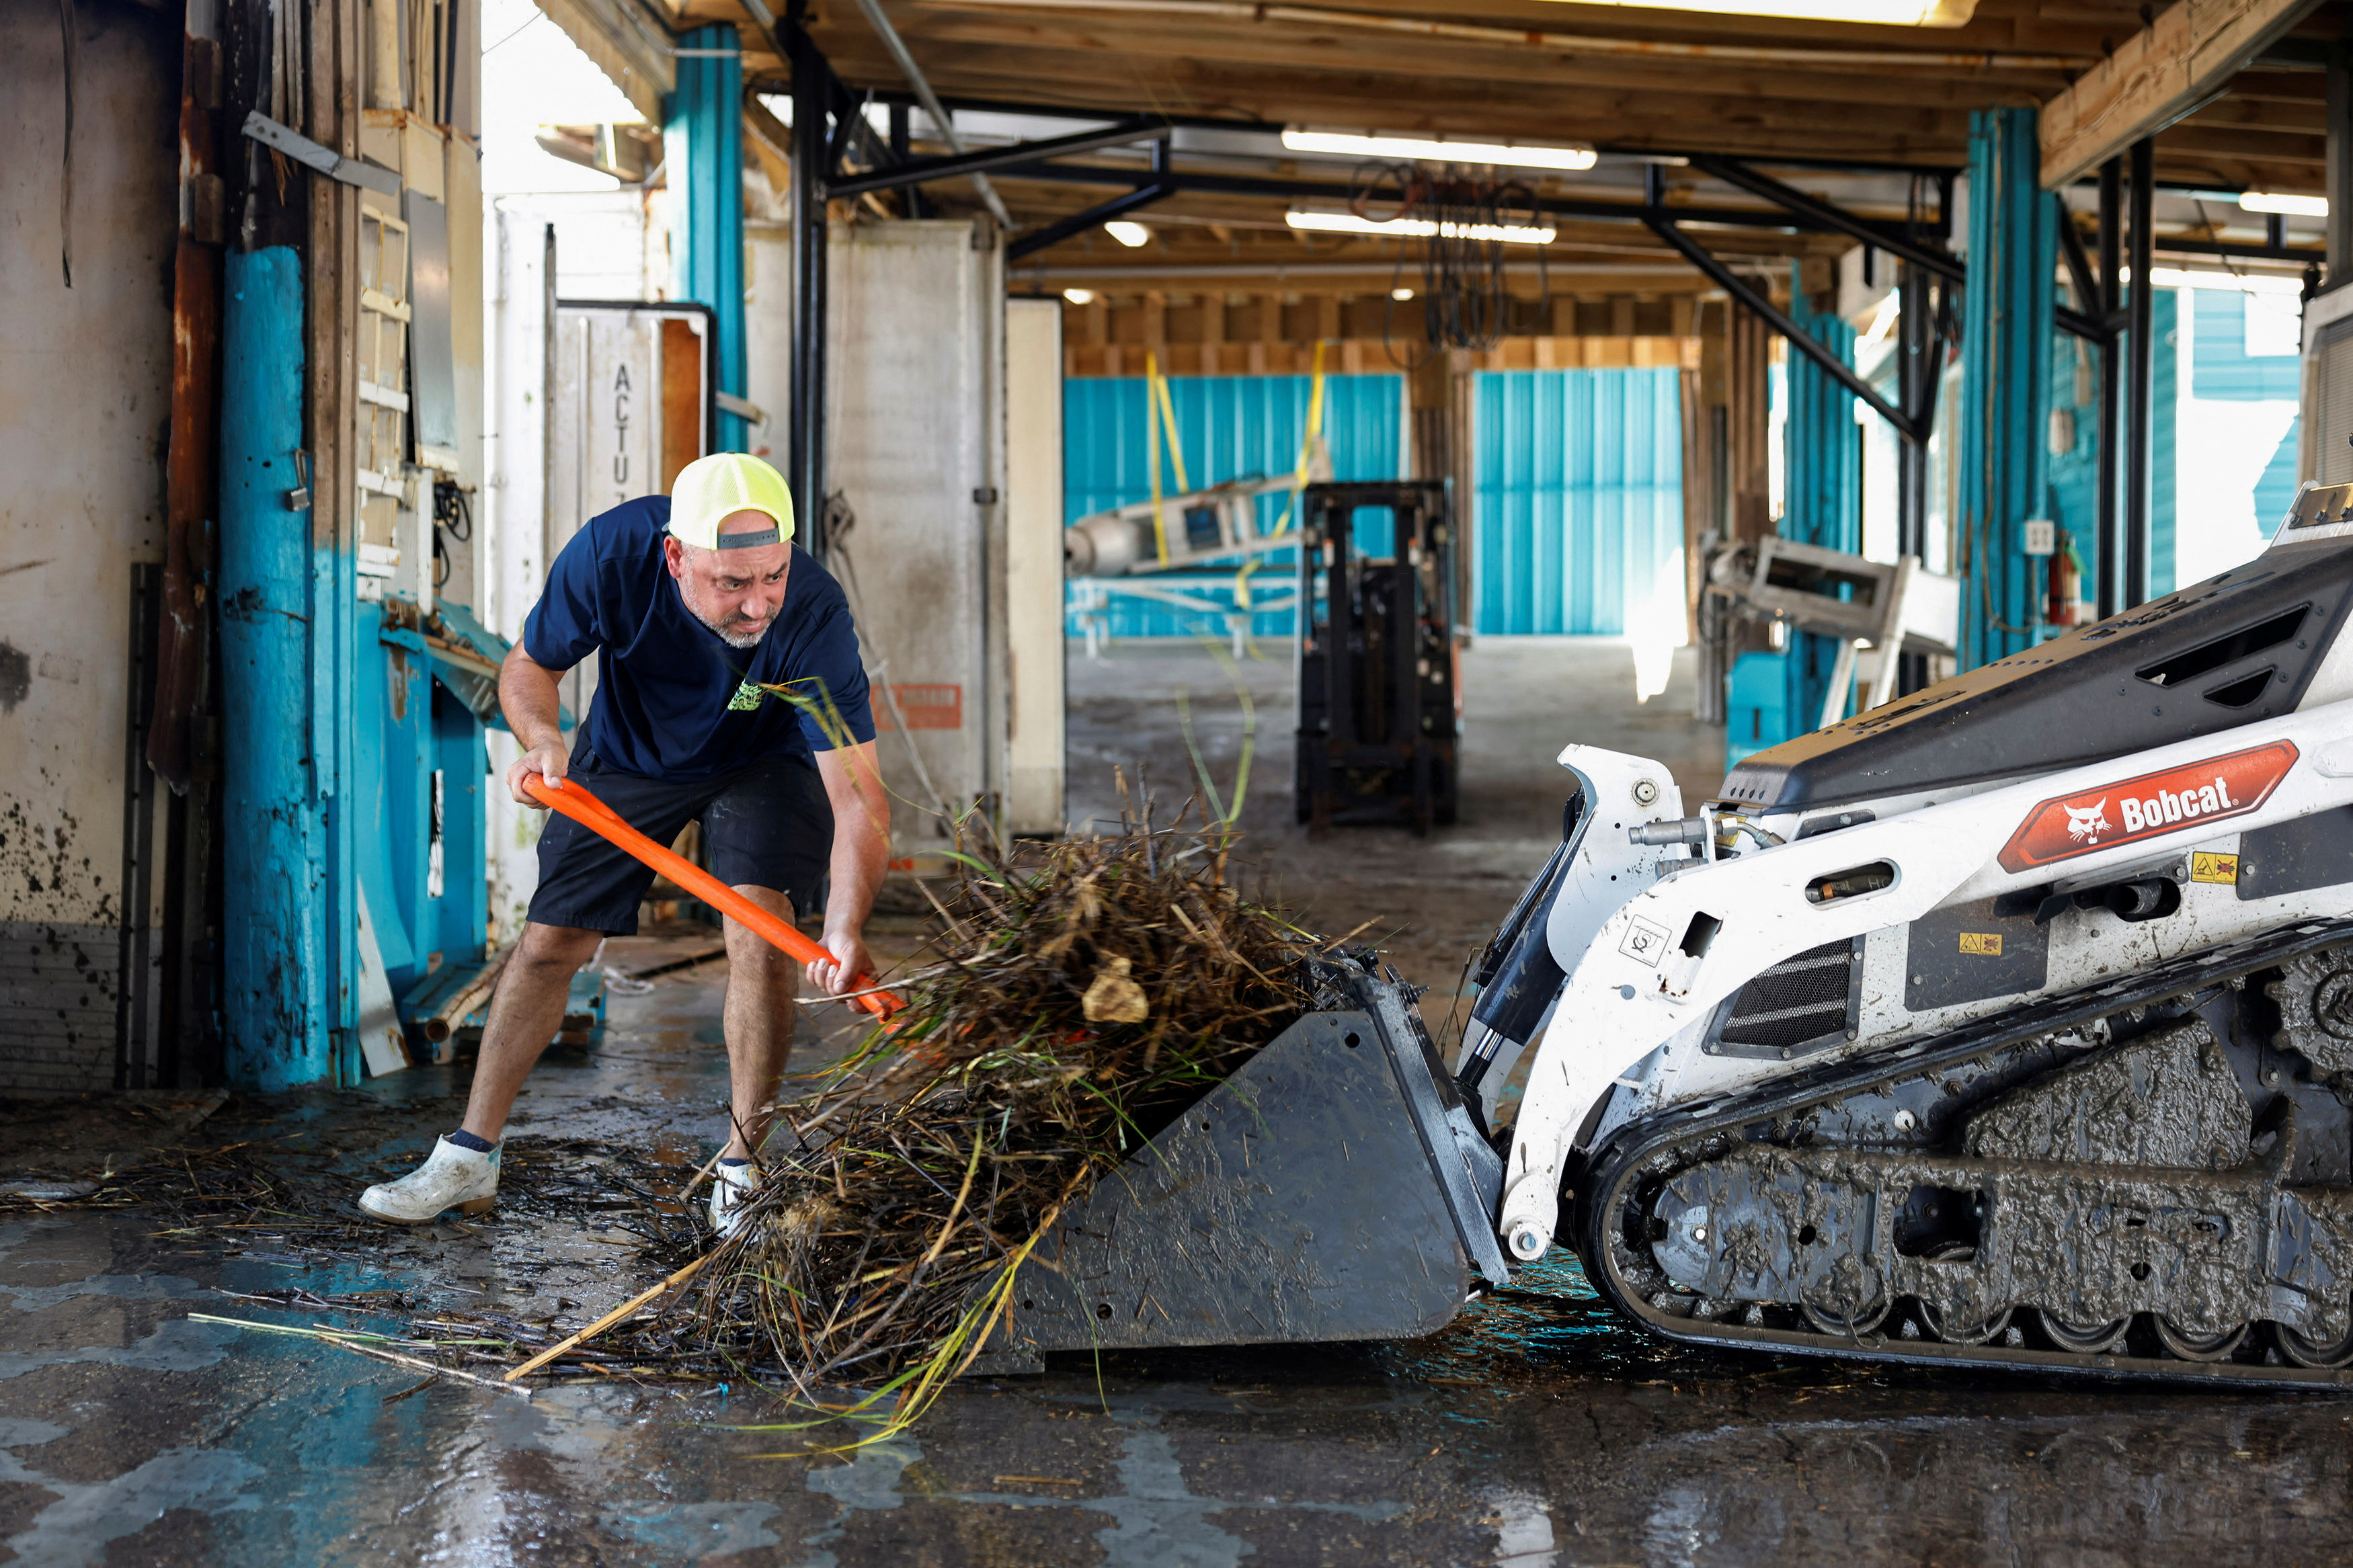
column 342, row 1342
column 444, row 1020
column 609, row 1319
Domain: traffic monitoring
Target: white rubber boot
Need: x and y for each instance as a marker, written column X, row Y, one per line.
column 732, row 1187
column 450, row 1178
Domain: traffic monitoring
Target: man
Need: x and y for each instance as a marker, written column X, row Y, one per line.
column 700, row 610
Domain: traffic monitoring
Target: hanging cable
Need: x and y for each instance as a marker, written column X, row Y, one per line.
column 1465, row 288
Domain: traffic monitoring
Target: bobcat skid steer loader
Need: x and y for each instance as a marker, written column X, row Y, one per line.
column 2010, row 1024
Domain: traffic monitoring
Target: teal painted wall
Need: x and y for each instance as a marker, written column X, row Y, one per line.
column 1579, row 521
column 703, row 143
column 2164, row 396
column 2006, row 328
column 1232, row 427
column 1822, row 493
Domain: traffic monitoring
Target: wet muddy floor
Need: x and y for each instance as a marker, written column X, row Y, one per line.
column 1538, row 1431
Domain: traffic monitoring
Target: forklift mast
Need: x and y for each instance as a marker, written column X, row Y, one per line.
column 1380, row 706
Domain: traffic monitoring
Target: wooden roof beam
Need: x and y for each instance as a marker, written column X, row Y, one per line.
column 2189, row 54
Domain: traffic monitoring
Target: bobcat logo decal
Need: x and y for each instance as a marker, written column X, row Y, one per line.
column 2181, row 799
column 2086, row 822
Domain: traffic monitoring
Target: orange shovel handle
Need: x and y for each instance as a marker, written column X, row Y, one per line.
column 575, row 801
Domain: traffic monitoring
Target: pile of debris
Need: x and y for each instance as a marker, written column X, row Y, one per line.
column 1092, row 989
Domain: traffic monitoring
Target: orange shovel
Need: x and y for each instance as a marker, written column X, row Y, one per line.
column 574, row 800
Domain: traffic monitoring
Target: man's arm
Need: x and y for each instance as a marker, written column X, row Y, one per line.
column 528, row 697
column 861, row 852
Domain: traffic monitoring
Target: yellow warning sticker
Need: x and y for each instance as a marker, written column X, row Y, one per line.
column 1983, row 943
column 2209, row 868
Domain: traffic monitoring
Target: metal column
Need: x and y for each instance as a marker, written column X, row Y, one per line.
column 807, row 447
column 1913, row 339
column 2111, row 301
column 2003, row 449
column 2141, row 195
column 704, row 146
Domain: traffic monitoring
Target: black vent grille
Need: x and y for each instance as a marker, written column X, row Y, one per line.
column 1796, row 1001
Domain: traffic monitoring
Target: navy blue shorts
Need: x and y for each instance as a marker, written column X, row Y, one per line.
column 768, row 824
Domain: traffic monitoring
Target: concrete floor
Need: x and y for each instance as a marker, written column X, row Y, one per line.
column 1536, row 1432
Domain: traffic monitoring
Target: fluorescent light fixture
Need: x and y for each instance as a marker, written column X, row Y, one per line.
column 1079, row 296
column 1416, row 228
column 1130, row 235
column 2276, row 202
column 1437, row 150
column 1883, row 13
column 2215, row 278
column 1401, row 295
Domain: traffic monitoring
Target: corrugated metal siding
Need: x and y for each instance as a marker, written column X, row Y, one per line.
column 2165, row 376
column 2222, row 369
column 1823, row 491
column 2074, row 481
column 1232, row 427
column 1579, row 476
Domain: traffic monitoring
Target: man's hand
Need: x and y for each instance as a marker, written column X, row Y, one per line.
column 528, row 696
column 852, row 967
column 549, row 760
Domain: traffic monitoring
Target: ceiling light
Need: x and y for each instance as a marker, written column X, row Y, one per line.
column 1883, row 13
column 1079, row 296
column 1438, row 149
column 1130, row 235
column 2275, row 202
column 1415, row 228
column 1401, row 295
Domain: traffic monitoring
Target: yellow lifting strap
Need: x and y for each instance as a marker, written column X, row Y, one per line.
column 1158, row 409
column 1299, row 480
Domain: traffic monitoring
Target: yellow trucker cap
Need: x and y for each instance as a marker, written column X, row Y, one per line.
column 714, row 487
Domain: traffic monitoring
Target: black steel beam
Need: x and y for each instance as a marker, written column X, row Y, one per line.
column 1742, row 291
column 1913, row 367
column 1333, row 189
column 1275, row 128
column 2079, row 265
column 1079, row 223
column 2109, row 301
column 2238, row 249
column 1823, row 214
column 807, row 447
column 2141, row 198
column 2075, row 321
column 981, row 163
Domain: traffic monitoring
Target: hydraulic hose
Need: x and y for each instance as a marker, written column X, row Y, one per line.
column 1520, row 976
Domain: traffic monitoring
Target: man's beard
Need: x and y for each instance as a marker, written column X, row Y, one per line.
column 733, row 630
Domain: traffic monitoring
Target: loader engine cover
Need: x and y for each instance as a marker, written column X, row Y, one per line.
column 2236, row 649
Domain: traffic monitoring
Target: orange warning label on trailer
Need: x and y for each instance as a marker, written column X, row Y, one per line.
column 2154, row 804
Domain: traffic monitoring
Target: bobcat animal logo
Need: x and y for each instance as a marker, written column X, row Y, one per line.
column 2086, row 822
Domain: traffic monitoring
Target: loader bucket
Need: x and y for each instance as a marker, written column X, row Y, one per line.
column 1334, row 1188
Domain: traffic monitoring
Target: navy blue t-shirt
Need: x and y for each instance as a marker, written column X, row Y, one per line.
column 673, row 700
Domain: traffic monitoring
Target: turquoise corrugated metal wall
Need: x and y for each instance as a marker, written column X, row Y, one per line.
column 1232, row 427
column 2006, row 328
column 2165, row 397
column 1579, row 497
column 2072, row 492
column 706, row 152
column 1823, row 491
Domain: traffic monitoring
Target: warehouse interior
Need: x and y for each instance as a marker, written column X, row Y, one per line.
column 1705, row 375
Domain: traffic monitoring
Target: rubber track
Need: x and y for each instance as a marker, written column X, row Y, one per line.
column 1606, row 1177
